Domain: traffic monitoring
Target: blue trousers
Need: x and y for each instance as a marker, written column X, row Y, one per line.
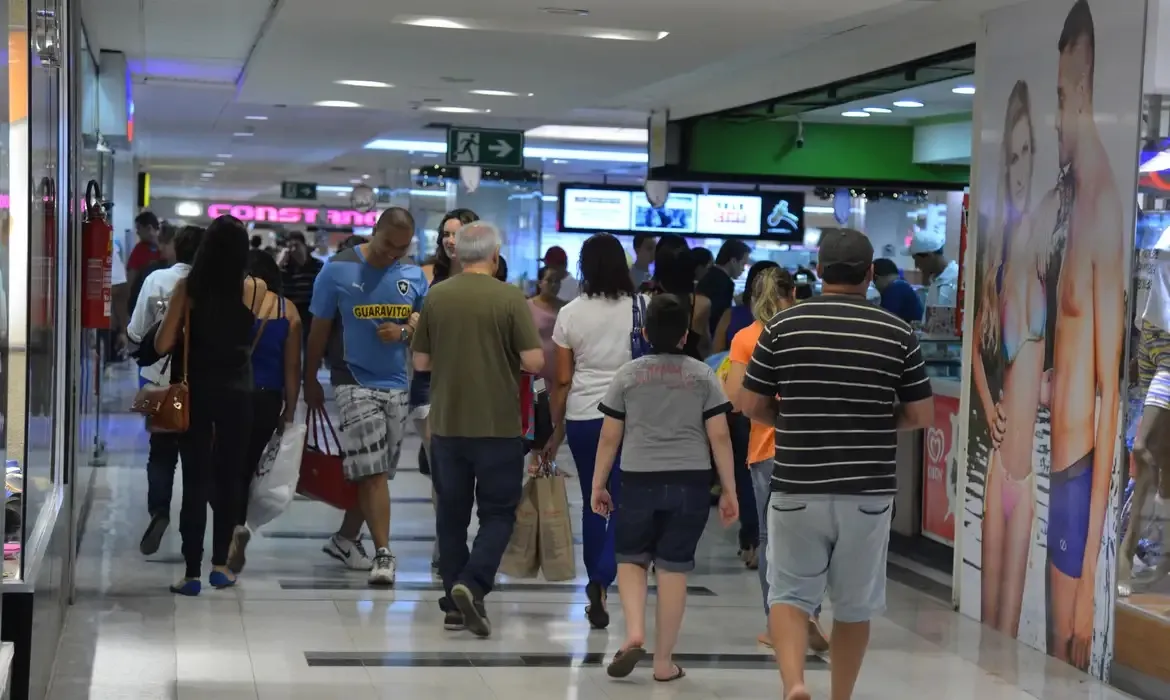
column 596, row 531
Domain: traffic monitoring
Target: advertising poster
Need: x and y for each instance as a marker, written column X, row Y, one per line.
column 1059, row 85
column 939, row 471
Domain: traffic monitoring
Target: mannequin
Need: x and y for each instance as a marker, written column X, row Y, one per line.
column 1151, row 449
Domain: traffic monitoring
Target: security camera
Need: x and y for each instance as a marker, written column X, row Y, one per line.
column 799, row 133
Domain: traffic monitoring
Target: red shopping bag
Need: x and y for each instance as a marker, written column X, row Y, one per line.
column 322, row 478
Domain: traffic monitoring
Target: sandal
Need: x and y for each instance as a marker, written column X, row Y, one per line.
column 625, row 661
column 595, row 612
column 679, row 673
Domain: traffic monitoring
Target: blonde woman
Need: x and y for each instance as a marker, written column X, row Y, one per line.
column 1008, row 362
column 773, row 290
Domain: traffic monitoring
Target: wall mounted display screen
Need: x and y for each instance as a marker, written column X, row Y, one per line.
column 596, row 210
column 677, row 215
column 730, row 215
column 783, row 216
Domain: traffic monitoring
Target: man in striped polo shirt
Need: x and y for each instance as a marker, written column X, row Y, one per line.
column 838, row 377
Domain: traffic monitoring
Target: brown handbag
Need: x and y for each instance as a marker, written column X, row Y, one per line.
column 168, row 408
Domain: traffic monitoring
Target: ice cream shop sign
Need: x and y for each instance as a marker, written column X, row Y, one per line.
column 260, row 213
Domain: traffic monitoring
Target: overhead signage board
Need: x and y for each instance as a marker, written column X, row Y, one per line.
column 488, row 148
column 298, row 190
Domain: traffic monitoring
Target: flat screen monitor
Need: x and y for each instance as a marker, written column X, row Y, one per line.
column 677, row 215
column 595, row 210
column 783, row 217
column 729, row 215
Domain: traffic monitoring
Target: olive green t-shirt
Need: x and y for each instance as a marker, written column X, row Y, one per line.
column 474, row 327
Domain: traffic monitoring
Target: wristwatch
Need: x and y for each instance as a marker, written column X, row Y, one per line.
column 404, row 334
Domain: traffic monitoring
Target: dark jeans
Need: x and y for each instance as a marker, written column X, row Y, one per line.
column 597, row 533
column 160, row 472
column 487, row 473
column 214, row 451
column 749, row 525
column 267, row 407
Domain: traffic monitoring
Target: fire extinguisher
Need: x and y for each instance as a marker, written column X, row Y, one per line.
column 43, row 287
column 97, row 253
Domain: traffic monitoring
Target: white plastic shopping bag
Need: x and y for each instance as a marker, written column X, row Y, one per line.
column 275, row 482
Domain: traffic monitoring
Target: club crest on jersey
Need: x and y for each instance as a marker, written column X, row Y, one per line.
column 403, row 287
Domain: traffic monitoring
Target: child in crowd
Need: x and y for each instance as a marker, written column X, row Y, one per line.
column 665, row 410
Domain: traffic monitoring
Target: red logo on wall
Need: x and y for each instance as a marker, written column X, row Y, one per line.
column 939, row 471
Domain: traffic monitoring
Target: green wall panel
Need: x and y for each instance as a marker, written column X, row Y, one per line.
column 839, row 152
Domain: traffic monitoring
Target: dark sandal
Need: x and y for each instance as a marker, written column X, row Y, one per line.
column 625, row 661
column 680, row 673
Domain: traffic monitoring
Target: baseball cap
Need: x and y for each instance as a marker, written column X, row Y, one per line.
column 844, row 247
column 556, row 255
column 926, row 241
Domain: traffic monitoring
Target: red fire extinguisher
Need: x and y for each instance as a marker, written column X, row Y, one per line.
column 43, row 287
column 97, row 253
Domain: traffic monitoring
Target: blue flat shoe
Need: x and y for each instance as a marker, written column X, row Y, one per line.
column 220, row 580
column 189, row 587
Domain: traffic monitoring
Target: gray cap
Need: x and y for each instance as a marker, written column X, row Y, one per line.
column 844, row 246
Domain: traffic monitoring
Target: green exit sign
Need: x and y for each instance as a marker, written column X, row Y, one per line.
column 491, row 148
column 298, row 190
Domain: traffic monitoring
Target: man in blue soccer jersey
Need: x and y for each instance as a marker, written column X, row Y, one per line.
column 377, row 291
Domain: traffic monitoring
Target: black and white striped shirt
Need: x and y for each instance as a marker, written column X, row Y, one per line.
column 837, row 364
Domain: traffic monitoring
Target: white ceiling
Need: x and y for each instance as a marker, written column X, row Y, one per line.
column 201, row 68
column 938, row 100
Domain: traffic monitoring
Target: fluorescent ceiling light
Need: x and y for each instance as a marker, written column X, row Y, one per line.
column 207, row 175
column 364, row 83
column 558, row 161
column 223, row 155
column 964, row 90
column 243, row 134
column 365, row 177
column 188, row 209
column 434, row 23
column 355, row 181
column 216, row 163
column 529, row 151
column 909, row 104
column 855, row 114
column 336, row 103
column 497, row 93
column 877, row 110
column 549, row 198
column 256, row 118
column 458, row 110
column 606, row 134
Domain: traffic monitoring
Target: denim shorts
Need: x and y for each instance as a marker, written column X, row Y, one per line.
column 660, row 524
column 834, row 543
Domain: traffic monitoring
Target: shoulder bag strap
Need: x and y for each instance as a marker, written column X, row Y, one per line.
column 186, row 336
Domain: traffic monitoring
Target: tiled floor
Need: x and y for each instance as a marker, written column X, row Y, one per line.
column 299, row 627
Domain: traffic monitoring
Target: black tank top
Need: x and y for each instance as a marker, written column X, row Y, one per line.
column 221, row 342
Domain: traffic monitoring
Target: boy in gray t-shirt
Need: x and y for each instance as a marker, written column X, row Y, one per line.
column 667, row 411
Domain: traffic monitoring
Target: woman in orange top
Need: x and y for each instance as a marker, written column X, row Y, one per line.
column 773, row 291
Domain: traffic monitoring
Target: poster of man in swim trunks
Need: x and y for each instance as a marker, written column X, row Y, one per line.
column 1059, row 99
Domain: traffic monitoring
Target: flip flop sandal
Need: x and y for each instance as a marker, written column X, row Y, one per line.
column 625, row 661
column 680, row 673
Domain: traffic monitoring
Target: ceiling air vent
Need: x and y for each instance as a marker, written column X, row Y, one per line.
column 456, row 81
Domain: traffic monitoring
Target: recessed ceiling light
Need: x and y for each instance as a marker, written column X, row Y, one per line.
column 964, row 90
column 435, row 23
column 256, row 118
column 364, row 83
column 207, row 175
column 223, row 155
column 497, row 93
column 216, row 163
column 855, row 114
column 336, row 103
column 663, row 35
column 877, row 110
column 458, row 110
column 242, row 134
column 366, row 177
column 355, row 181
column 909, row 104
column 565, row 11
column 607, row 134
column 558, row 161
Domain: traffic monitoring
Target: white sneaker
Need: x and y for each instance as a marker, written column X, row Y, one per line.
column 348, row 552
column 384, row 568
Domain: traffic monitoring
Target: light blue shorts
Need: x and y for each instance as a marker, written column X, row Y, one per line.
column 820, row 543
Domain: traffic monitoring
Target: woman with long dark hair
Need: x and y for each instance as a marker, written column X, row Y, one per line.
column 592, row 340
column 276, row 378
column 441, row 264
column 216, row 307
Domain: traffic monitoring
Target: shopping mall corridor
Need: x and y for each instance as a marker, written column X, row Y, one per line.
column 298, row 626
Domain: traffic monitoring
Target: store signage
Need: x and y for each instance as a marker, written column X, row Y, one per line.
column 294, row 215
column 939, row 471
column 298, row 190
column 489, row 148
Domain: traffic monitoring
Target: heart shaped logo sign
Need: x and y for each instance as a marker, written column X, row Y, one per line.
column 935, row 445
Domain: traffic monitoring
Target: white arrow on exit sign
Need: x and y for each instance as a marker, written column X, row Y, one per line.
column 501, row 148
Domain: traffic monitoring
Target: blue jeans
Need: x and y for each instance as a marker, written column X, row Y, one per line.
column 487, row 473
column 596, row 532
